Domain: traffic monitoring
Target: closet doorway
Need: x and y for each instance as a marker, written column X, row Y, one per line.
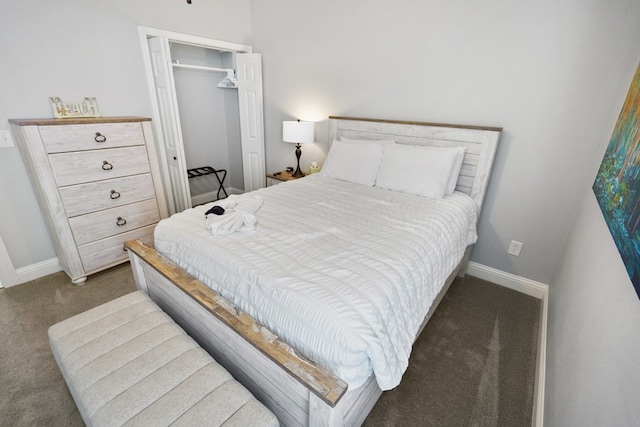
column 207, row 112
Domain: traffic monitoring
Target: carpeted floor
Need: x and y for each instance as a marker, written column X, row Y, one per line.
column 473, row 365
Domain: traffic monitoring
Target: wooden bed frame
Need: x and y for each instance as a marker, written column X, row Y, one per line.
column 297, row 390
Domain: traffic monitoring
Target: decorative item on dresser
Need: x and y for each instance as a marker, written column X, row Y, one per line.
column 98, row 184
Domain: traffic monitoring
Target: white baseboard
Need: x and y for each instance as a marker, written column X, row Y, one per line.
column 201, row 199
column 35, row 271
column 508, row 280
column 536, row 290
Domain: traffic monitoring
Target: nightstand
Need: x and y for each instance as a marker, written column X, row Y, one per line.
column 277, row 177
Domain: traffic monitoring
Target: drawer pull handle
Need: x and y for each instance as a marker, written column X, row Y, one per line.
column 124, row 249
column 100, row 138
column 114, row 195
column 107, row 166
column 121, row 221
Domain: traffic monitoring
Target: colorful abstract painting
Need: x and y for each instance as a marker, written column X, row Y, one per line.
column 617, row 185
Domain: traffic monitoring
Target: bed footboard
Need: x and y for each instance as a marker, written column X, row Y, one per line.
column 296, row 389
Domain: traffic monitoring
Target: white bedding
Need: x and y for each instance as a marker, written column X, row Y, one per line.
column 342, row 272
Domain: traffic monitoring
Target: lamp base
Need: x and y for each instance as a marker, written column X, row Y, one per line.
column 298, row 173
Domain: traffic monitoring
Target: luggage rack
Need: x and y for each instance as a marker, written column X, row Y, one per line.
column 220, row 175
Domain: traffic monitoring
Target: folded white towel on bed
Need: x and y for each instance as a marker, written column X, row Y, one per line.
column 239, row 214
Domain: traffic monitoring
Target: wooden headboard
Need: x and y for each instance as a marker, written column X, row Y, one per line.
column 481, row 144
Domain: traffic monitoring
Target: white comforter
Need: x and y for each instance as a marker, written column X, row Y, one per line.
column 341, row 272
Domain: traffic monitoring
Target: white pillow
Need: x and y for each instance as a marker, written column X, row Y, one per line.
column 420, row 170
column 457, row 166
column 455, row 170
column 354, row 162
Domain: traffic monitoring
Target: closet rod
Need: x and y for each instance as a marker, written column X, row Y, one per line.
column 200, row 67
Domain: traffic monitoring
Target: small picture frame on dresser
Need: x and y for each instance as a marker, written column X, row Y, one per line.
column 64, row 110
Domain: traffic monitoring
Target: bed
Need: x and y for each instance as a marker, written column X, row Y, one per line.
column 316, row 309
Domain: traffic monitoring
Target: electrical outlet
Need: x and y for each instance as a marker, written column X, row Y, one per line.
column 5, row 139
column 515, row 247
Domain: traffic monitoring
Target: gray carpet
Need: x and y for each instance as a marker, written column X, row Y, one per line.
column 474, row 364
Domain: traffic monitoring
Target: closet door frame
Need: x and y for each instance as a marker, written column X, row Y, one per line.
column 144, row 34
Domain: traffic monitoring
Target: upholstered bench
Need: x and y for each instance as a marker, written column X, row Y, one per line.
column 128, row 363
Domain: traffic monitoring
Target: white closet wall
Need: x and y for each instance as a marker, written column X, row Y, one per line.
column 232, row 112
column 209, row 117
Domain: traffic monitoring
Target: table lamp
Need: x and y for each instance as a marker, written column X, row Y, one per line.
column 297, row 132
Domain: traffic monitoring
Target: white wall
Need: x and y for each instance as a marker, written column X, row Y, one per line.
column 593, row 347
column 542, row 70
column 235, row 180
column 201, row 106
column 73, row 49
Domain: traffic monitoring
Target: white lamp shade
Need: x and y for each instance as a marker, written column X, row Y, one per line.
column 297, row 131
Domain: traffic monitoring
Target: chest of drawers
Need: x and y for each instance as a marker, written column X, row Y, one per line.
column 98, row 184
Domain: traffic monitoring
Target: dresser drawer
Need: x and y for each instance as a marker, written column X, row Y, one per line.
column 109, row 222
column 95, row 165
column 96, row 196
column 110, row 251
column 59, row 139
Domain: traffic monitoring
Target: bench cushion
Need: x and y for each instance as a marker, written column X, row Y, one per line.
column 126, row 362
